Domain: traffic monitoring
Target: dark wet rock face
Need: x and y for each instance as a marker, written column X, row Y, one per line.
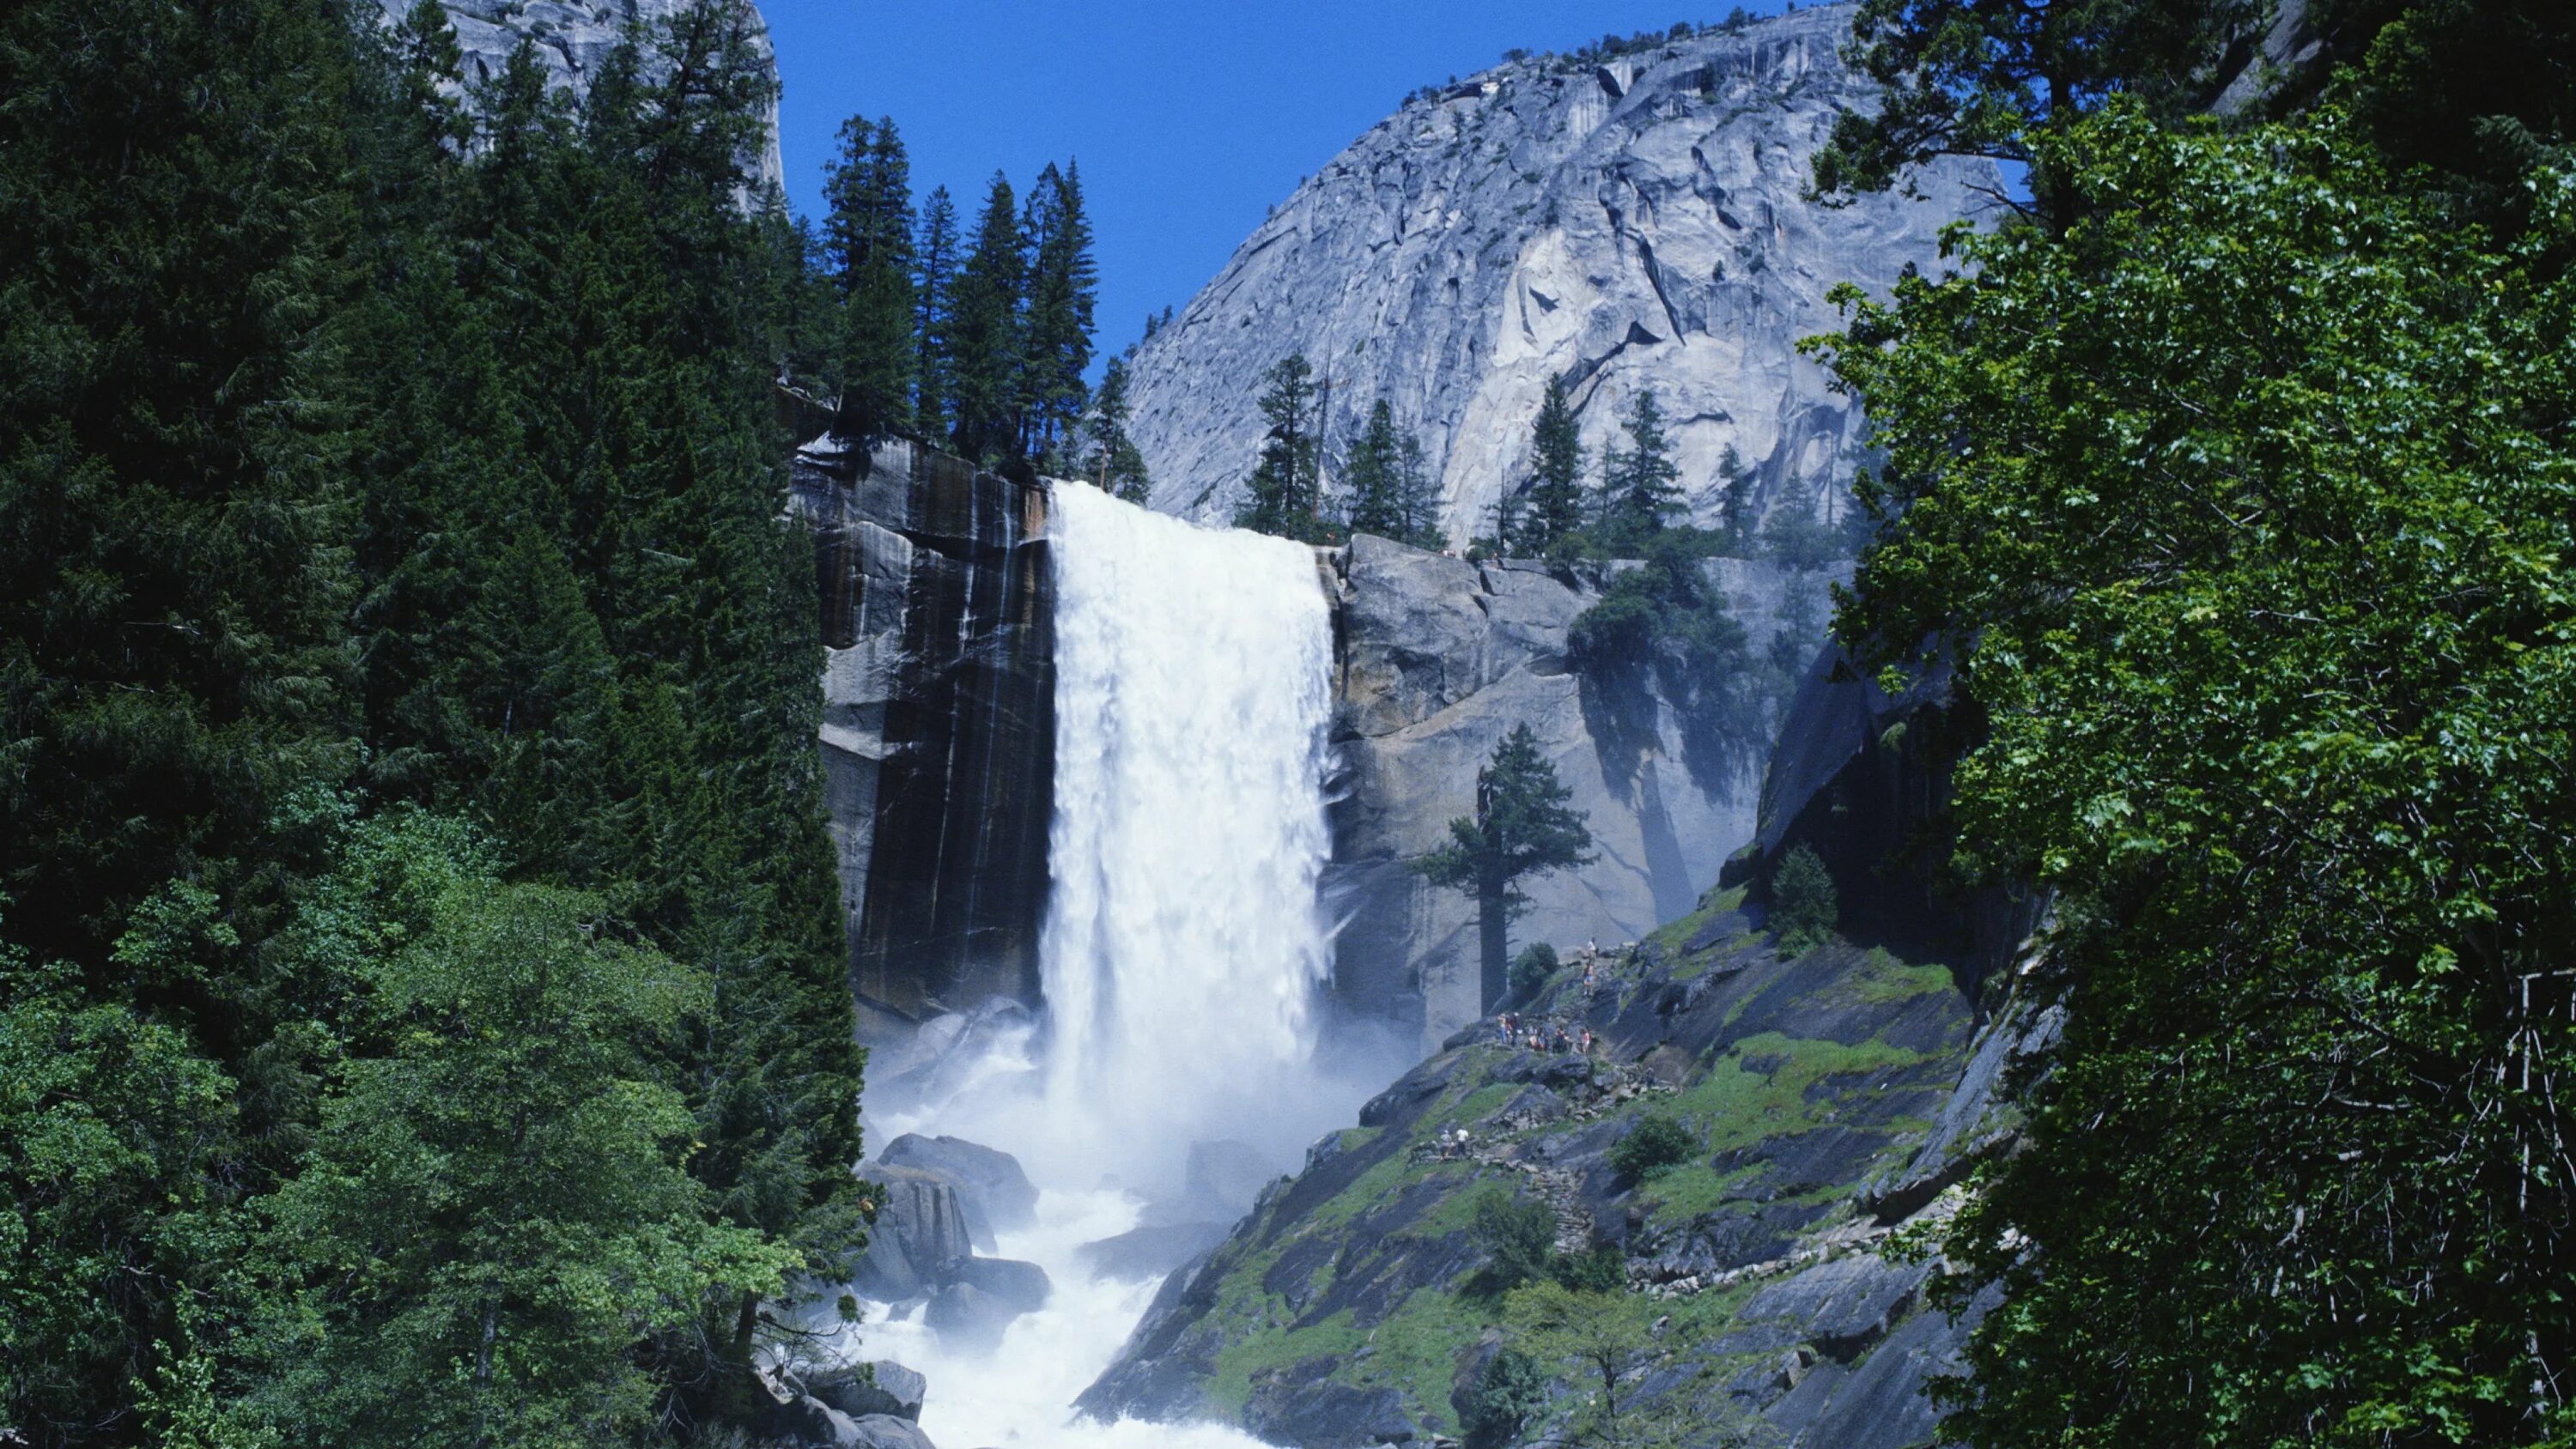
column 938, row 718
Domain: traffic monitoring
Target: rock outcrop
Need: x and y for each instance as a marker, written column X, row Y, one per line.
column 938, row 718
column 1438, row 659
column 572, row 39
column 991, row 1188
column 1836, row 1098
column 1638, row 223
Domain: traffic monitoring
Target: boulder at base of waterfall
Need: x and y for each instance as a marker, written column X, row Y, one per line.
column 1151, row 1250
column 858, row 1390
column 995, row 1193
column 885, row 1431
column 1023, row 1286
column 919, row 1238
column 966, row 1317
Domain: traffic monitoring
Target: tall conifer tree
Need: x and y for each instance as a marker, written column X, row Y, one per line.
column 1556, row 490
column 934, row 301
column 1063, row 288
column 987, row 333
column 868, row 187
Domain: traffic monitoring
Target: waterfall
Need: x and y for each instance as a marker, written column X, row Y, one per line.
column 1182, row 949
column 1182, row 956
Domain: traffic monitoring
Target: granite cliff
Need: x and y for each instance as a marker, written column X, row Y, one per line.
column 1437, row 658
column 1639, row 223
column 938, row 741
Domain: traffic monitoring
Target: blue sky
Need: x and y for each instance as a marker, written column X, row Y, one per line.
column 1190, row 117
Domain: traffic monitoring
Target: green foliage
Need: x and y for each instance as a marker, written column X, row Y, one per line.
column 1974, row 78
column 1640, row 485
column 868, row 234
column 1517, row 1236
column 1283, row 495
column 1388, row 494
column 1555, row 496
column 2246, row 507
column 1600, row 1341
column 499, row 1205
column 347, row 469
column 1794, row 537
column 1531, row 969
column 985, row 330
column 1803, row 908
column 1668, row 622
column 1116, row 466
column 1657, row 1142
column 1601, row 1268
column 1064, row 285
column 1522, row 826
column 935, row 264
column 1494, row 1405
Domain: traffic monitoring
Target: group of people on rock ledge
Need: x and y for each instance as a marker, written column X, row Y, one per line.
column 1544, row 1037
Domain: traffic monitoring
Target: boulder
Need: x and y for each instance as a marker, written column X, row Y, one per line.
column 994, row 1193
column 859, row 1390
column 885, row 1431
column 1845, row 1305
column 919, row 1238
column 1023, row 1286
column 966, row 1317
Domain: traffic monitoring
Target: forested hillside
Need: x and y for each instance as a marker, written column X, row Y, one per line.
column 421, row 1016
column 2236, row 481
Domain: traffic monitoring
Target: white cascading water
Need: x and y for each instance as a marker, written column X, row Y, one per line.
column 1183, row 950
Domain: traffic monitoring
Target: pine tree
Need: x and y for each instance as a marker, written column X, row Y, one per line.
column 1556, row 502
column 868, row 233
column 1280, row 496
column 987, row 334
column 1064, row 284
column 934, row 294
column 1735, row 488
column 1372, row 479
column 1641, row 488
column 1417, row 507
column 1523, row 826
column 1115, row 464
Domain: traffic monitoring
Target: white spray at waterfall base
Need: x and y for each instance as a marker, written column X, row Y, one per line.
column 1183, row 954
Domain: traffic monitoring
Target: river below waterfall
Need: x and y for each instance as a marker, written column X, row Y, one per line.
column 1184, row 955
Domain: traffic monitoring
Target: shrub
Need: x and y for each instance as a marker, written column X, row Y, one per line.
column 1518, row 1236
column 1655, row 1143
column 1803, row 909
column 1601, row 1268
column 1531, row 969
column 1500, row 1399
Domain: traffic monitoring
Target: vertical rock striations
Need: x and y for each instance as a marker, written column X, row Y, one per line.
column 1640, row 223
column 938, row 722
